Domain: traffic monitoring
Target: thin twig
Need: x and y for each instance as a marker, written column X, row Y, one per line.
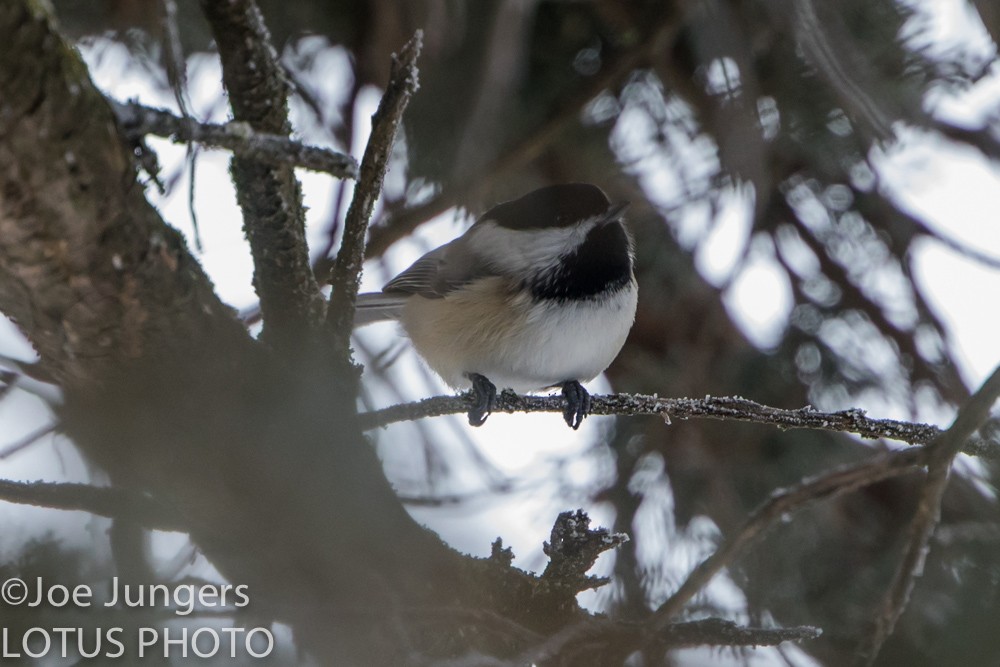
column 177, row 76
column 174, row 55
column 325, row 256
column 138, row 120
column 928, row 513
column 346, row 274
column 782, row 502
column 710, row 407
column 110, row 502
column 829, row 47
column 192, row 160
column 27, row 440
column 8, row 380
column 895, row 215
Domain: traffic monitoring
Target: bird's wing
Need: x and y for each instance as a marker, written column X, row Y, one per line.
column 439, row 272
column 434, row 275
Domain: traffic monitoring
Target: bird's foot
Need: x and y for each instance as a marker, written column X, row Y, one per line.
column 577, row 403
column 484, row 395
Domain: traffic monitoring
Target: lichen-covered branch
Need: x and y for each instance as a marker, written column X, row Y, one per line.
column 138, row 120
column 731, row 408
column 270, row 197
column 346, row 275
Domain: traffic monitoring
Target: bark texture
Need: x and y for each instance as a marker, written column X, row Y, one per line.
column 87, row 268
column 270, row 197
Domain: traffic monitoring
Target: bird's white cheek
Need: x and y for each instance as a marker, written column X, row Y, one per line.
column 524, row 252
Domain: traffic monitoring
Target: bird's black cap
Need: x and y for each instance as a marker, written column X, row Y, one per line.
column 552, row 206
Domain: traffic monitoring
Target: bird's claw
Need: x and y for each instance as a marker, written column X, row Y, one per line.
column 484, row 395
column 577, row 403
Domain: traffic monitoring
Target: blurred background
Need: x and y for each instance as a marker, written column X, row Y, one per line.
column 813, row 191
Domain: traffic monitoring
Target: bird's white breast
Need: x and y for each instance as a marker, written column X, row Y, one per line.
column 514, row 340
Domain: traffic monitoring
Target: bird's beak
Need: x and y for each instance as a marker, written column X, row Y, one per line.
column 614, row 213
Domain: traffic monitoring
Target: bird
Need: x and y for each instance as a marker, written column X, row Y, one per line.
column 538, row 293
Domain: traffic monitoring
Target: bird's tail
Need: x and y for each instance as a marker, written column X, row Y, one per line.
column 378, row 306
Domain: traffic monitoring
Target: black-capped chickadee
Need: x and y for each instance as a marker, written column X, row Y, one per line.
column 538, row 293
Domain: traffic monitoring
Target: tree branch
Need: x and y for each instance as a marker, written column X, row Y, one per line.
column 111, row 502
column 783, row 501
column 270, row 197
column 941, row 454
column 27, row 440
column 580, row 643
column 138, row 120
column 827, row 45
column 573, row 549
column 87, row 267
column 346, row 275
column 720, row 632
column 723, row 407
